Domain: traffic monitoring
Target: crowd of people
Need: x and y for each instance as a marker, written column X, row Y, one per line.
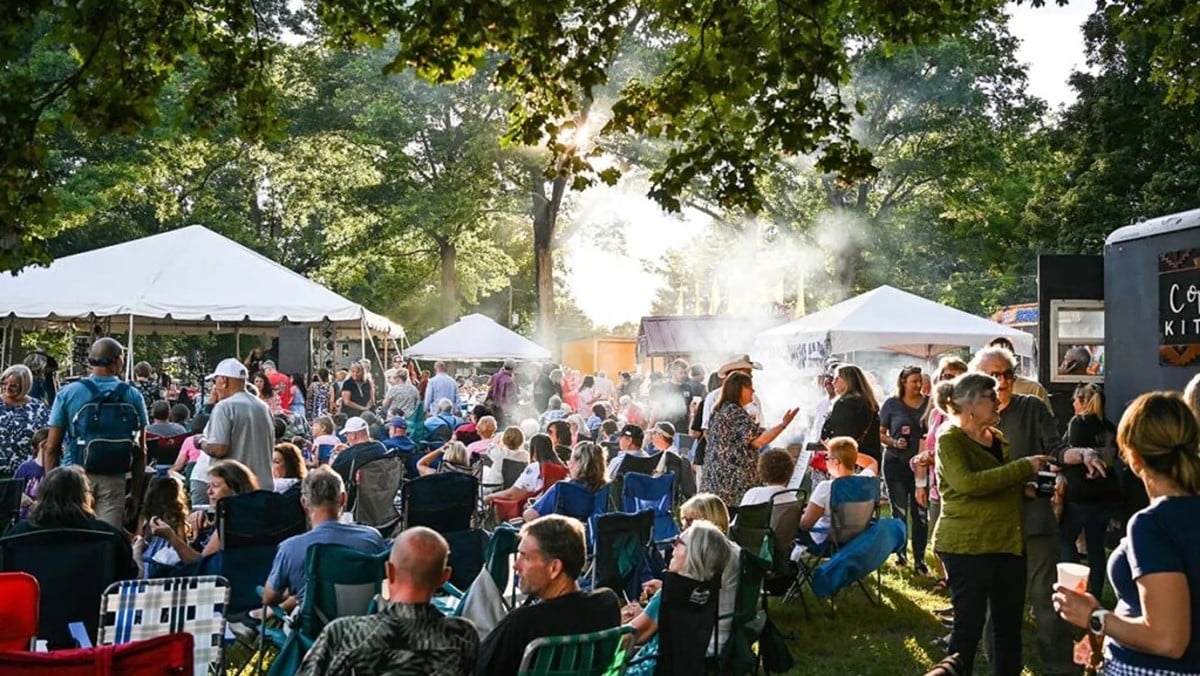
column 969, row 456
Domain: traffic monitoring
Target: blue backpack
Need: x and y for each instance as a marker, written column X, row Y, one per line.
column 104, row 431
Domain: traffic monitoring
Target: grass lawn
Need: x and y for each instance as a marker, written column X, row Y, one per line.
column 862, row 638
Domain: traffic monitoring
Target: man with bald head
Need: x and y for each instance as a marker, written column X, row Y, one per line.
column 106, row 468
column 408, row 635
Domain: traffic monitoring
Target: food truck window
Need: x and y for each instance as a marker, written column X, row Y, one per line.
column 1077, row 340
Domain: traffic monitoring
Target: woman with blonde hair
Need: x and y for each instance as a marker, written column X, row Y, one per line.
column 455, row 458
column 1155, row 570
column 585, row 467
column 1090, row 496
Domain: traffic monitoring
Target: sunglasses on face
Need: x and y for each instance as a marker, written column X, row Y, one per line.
column 1006, row 374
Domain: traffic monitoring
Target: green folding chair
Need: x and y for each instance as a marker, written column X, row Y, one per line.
column 600, row 653
column 340, row 582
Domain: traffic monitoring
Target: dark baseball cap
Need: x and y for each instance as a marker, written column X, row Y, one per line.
column 400, row 421
column 634, row 432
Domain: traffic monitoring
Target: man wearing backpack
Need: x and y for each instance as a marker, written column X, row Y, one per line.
column 100, row 419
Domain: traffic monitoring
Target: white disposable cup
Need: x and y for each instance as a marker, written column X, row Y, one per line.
column 1073, row 576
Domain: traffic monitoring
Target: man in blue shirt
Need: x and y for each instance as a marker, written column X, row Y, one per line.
column 107, row 360
column 324, row 497
column 398, row 439
column 440, row 386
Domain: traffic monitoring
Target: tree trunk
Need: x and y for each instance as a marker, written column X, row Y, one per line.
column 545, row 218
column 448, row 255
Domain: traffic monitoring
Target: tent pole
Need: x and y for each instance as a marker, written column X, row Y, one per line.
column 237, row 341
column 4, row 346
column 362, row 339
column 129, row 352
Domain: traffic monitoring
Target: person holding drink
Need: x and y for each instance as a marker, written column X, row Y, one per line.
column 1155, row 570
column 901, row 420
column 978, row 536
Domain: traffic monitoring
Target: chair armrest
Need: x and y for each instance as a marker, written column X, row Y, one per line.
column 79, row 633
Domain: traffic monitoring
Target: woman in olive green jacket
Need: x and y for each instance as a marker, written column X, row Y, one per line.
column 978, row 535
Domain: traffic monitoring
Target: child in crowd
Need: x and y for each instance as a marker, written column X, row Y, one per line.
column 32, row 470
column 843, row 461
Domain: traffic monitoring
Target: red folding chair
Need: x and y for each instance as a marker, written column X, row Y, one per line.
column 19, row 612
column 507, row 510
column 170, row 654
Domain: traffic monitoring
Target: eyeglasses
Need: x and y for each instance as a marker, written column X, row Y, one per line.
column 679, row 541
column 1006, row 374
column 910, row 370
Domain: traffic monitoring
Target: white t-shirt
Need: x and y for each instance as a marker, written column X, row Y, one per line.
column 200, row 469
column 820, row 496
column 760, row 494
column 530, row 480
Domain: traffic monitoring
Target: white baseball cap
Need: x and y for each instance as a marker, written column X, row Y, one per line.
column 355, row 424
column 229, row 368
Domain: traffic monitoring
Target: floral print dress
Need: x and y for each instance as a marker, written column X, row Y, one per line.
column 17, row 425
column 731, row 464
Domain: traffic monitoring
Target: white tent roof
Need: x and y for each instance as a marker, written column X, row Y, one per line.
column 890, row 319
column 476, row 338
column 175, row 281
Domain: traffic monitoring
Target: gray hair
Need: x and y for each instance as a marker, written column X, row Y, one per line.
column 708, row 551
column 486, row 421
column 444, row 405
column 323, row 487
column 23, row 375
column 993, row 352
column 556, row 375
column 601, row 374
column 555, row 402
column 953, row 396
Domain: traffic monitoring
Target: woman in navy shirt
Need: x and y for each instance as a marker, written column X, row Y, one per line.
column 1155, row 570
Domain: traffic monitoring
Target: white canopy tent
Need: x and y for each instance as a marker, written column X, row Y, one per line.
column 189, row 280
column 476, row 338
column 886, row 319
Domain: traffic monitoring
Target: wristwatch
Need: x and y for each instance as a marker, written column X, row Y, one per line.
column 1096, row 621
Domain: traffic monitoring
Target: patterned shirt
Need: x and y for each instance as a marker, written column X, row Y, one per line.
column 402, row 639
column 17, row 425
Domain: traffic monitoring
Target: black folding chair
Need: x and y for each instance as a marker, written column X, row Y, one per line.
column 623, row 543
column 10, row 502
column 511, row 471
column 73, row 567
column 162, row 451
column 687, row 613
column 251, row 526
column 376, row 487
column 444, row 502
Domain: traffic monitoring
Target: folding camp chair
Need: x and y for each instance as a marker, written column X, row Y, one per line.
column 622, row 545
column 853, row 507
column 687, row 624
column 162, row 451
column 135, row 610
column 10, row 502
column 340, row 582
column 642, row 491
column 19, row 612
column 575, row 500
column 171, row 654
column 747, row 619
column 467, row 553
column 251, row 526
column 444, row 502
column 70, row 592
column 496, row 560
column 591, row 654
column 511, row 470
column 376, row 486
column 507, row 510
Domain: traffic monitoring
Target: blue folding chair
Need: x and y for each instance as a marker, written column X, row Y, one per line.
column 853, row 509
column 251, row 526
column 444, row 502
column 642, row 491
